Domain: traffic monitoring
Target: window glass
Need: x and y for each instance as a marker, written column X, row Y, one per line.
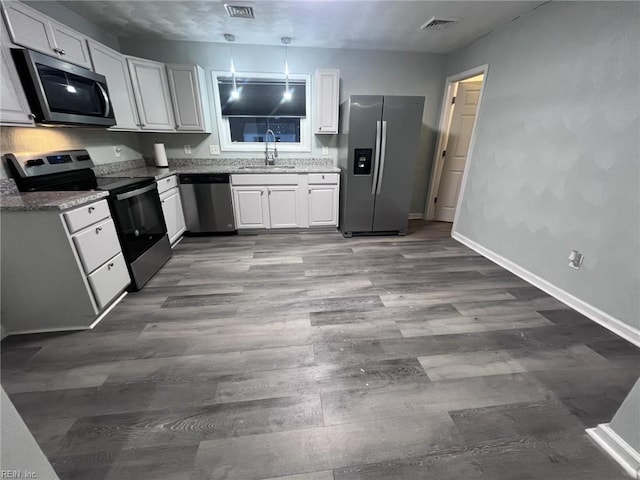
column 257, row 103
column 253, row 129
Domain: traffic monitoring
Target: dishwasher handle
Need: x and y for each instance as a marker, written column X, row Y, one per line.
column 203, row 178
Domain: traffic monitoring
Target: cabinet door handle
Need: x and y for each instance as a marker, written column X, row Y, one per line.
column 309, row 191
column 62, row 52
column 261, row 192
column 110, row 266
column 98, row 230
column 91, row 209
column 168, row 180
column 31, row 116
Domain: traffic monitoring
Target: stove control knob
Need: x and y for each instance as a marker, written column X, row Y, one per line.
column 34, row 162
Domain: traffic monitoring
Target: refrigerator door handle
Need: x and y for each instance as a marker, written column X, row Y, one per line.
column 383, row 151
column 376, row 160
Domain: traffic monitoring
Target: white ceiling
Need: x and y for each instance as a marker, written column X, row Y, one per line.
column 371, row 24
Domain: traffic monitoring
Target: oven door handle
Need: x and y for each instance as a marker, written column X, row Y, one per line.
column 139, row 191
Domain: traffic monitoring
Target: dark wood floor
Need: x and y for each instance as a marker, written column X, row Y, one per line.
column 314, row 357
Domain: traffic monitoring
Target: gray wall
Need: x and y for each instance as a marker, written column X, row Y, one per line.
column 555, row 165
column 361, row 72
column 99, row 143
column 626, row 421
column 18, row 449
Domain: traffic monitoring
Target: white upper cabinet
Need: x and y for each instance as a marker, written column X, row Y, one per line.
column 151, row 91
column 188, row 87
column 327, row 101
column 113, row 66
column 36, row 31
column 14, row 109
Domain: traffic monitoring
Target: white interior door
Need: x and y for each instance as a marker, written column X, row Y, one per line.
column 462, row 120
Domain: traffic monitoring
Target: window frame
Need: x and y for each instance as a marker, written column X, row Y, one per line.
column 224, row 131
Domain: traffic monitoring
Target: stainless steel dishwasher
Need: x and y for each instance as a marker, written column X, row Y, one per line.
column 206, row 201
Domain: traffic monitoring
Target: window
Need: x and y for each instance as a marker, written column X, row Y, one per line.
column 244, row 119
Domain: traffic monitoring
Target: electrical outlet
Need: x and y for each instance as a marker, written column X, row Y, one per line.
column 214, row 149
column 325, row 150
column 575, row 259
column 187, row 149
column 117, row 151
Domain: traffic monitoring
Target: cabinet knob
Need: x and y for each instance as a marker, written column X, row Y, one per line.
column 31, row 116
column 309, row 191
column 261, row 192
column 110, row 266
column 91, row 209
column 98, row 230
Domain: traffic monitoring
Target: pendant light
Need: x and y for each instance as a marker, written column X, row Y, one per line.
column 287, row 92
column 235, row 94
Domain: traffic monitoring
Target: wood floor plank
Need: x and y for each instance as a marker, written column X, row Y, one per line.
column 190, row 426
column 293, row 452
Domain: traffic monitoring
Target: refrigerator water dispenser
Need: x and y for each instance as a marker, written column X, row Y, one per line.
column 362, row 161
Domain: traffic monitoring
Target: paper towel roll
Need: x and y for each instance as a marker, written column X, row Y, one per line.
column 160, row 155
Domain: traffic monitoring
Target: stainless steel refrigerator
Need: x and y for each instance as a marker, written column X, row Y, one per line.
column 377, row 149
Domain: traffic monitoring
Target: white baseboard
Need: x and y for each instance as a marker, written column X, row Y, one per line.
column 614, row 446
column 74, row 328
column 416, row 216
column 618, row 327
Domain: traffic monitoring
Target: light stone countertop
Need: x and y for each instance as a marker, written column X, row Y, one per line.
column 159, row 173
column 11, row 200
column 34, row 201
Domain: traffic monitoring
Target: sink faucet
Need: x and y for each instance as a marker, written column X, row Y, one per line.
column 270, row 159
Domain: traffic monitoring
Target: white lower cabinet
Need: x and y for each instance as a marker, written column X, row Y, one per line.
column 107, row 281
column 173, row 215
column 172, row 208
column 283, row 206
column 65, row 282
column 251, row 208
column 272, row 201
column 323, row 205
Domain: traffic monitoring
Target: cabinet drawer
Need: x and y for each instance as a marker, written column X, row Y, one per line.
column 84, row 216
column 323, row 178
column 109, row 280
column 96, row 245
column 265, row 179
column 167, row 183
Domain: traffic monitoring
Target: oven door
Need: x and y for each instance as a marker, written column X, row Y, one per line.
column 138, row 215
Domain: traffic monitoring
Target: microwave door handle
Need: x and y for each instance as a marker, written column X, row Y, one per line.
column 376, row 160
column 105, row 97
column 139, row 191
column 383, row 154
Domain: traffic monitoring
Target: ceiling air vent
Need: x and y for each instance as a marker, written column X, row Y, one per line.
column 239, row 10
column 435, row 22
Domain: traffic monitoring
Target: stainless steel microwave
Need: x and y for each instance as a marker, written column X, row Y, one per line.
column 60, row 93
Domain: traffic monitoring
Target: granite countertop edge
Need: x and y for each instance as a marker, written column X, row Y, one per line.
column 159, row 173
column 42, row 201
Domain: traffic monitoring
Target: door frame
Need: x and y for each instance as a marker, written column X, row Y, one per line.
column 443, row 134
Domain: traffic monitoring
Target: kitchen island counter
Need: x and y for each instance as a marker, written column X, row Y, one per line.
column 34, row 201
